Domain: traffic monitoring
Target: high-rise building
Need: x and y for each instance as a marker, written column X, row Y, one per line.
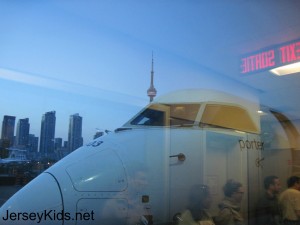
column 75, row 132
column 22, row 134
column 8, row 129
column 33, row 143
column 151, row 92
column 58, row 143
column 65, row 144
column 47, row 133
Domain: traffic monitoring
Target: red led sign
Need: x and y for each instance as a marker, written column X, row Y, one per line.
column 271, row 57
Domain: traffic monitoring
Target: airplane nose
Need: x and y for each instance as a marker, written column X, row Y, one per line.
column 39, row 202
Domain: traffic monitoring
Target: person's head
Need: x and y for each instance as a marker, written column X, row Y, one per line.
column 200, row 196
column 294, row 182
column 233, row 189
column 272, row 184
column 200, row 199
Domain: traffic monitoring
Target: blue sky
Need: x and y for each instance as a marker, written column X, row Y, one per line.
column 94, row 58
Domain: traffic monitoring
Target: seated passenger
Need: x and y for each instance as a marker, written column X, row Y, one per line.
column 229, row 213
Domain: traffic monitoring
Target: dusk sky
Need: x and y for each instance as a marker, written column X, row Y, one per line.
column 94, row 58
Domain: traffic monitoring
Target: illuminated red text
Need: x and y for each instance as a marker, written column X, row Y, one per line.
column 271, row 57
column 290, row 53
column 258, row 61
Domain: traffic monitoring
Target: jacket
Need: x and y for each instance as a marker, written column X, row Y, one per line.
column 229, row 213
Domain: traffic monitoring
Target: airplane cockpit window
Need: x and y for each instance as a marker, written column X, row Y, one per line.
column 150, row 117
column 183, row 115
column 168, row 115
column 229, row 117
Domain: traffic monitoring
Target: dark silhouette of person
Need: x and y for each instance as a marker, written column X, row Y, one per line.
column 267, row 209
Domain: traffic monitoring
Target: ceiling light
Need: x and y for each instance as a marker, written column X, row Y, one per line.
column 286, row 70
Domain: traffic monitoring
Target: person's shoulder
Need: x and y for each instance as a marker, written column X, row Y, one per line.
column 224, row 216
column 295, row 191
column 285, row 192
column 186, row 218
column 225, row 211
column 290, row 191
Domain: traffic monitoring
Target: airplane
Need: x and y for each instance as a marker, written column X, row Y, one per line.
column 144, row 172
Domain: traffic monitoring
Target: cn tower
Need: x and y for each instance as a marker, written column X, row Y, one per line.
column 151, row 92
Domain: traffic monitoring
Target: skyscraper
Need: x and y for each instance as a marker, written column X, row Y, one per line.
column 22, row 134
column 47, row 133
column 151, row 92
column 58, row 143
column 8, row 129
column 33, row 143
column 75, row 132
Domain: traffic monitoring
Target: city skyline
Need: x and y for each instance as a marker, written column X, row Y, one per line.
column 151, row 93
column 19, row 134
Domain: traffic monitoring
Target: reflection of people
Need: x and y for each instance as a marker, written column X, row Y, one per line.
column 289, row 201
column 200, row 202
column 201, row 205
column 267, row 210
column 229, row 213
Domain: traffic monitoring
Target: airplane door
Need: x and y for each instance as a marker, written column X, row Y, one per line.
column 233, row 155
column 224, row 159
column 230, row 150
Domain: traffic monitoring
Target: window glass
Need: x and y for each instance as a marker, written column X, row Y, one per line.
column 226, row 116
column 145, row 111
column 167, row 115
column 150, row 117
column 181, row 114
